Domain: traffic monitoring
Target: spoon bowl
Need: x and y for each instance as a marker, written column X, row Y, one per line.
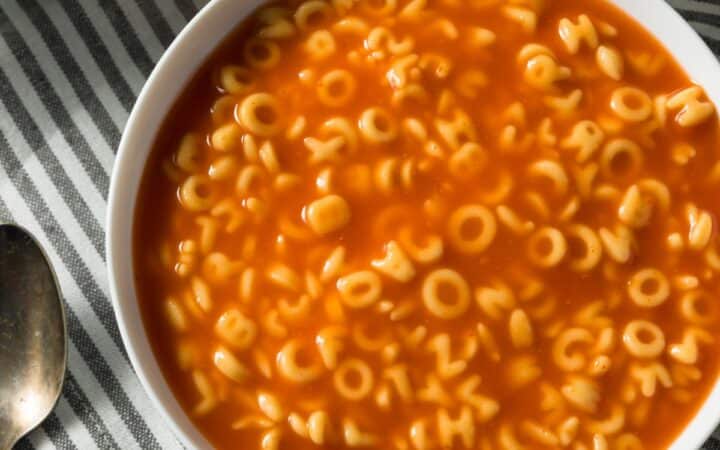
column 33, row 342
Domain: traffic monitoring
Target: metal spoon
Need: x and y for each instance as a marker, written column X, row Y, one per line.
column 33, row 338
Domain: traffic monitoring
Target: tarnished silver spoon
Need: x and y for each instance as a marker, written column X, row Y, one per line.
column 33, row 337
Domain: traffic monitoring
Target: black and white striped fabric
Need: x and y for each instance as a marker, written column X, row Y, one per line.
column 70, row 71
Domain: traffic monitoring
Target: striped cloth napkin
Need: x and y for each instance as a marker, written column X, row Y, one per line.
column 70, row 71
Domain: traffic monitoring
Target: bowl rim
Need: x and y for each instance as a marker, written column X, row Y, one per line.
column 181, row 61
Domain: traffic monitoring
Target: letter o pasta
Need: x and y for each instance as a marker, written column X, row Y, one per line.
column 643, row 339
column 621, row 158
column 547, row 247
column 262, row 54
column 378, row 126
column 360, row 289
column 336, row 88
column 432, row 295
column 290, row 367
column 699, row 307
column 311, row 12
column 353, row 379
column 236, row 80
column 631, row 104
column 320, row 45
column 471, row 229
column 648, row 288
column 197, row 193
column 260, row 114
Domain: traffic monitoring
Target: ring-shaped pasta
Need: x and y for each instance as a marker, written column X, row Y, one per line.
column 261, row 53
column 699, row 307
column 648, row 288
column 360, row 289
column 631, row 104
column 336, row 88
column 471, row 229
column 378, row 126
column 435, row 298
column 197, row 193
column 547, row 247
column 621, row 158
column 236, row 80
column 260, row 114
column 320, row 45
column 353, row 379
column 643, row 339
column 290, row 367
column 592, row 248
column 310, row 13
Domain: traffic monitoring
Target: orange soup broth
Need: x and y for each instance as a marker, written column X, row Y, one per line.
column 161, row 222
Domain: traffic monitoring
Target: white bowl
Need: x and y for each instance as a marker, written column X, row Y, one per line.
column 177, row 66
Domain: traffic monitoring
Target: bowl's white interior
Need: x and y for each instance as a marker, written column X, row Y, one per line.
column 177, row 67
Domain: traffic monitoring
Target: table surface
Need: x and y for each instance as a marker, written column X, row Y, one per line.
column 70, row 71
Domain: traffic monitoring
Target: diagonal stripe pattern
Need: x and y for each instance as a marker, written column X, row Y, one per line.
column 70, row 71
